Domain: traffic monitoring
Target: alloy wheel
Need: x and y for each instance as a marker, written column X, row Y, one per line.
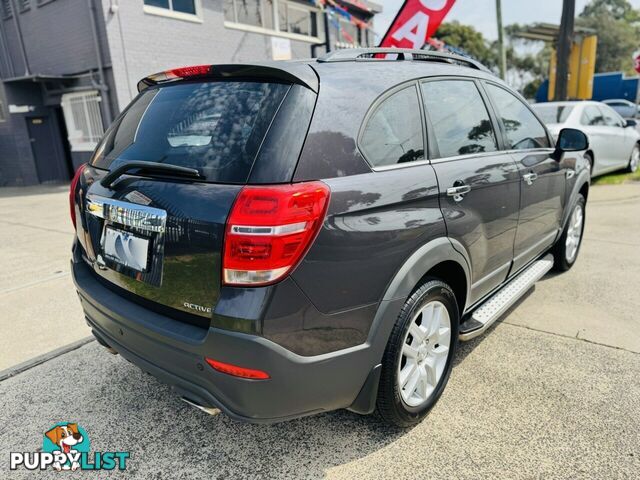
column 424, row 353
column 574, row 233
column 635, row 159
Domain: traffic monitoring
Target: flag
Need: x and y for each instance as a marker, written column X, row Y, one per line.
column 416, row 21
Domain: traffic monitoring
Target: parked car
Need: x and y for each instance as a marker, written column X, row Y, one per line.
column 331, row 230
column 624, row 108
column 614, row 143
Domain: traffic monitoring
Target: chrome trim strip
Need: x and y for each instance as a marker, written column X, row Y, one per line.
column 129, row 214
column 536, row 245
column 497, row 271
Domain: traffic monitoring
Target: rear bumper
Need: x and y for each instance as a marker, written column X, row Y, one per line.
column 174, row 352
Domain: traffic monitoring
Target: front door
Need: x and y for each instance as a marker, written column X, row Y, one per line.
column 542, row 200
column 479, row 185
column 51, row 167
column 542, row 177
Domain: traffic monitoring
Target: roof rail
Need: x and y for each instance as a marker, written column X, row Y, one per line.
column 375, row 54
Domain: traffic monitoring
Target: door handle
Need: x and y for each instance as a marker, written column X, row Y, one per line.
column 458, row 192
column 570, row 173
column 530, row 177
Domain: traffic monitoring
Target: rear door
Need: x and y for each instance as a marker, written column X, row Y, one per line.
column 592, row 123
column 479, row 185
column 621, row 142
column 542, row 192
column 156, row 237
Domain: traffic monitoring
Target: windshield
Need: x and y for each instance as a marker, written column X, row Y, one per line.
column 553, row 113
column 214, row 127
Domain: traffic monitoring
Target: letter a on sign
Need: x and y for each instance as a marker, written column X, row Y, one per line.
column 416, row 21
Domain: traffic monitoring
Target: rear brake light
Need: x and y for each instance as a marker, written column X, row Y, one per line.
column 72, row 193
column 237, row 371
column 269, row 230
column 181, row 72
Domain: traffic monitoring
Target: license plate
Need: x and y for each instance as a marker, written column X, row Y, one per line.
column 126, row 249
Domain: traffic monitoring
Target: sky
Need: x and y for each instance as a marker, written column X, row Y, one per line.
column 482, row 13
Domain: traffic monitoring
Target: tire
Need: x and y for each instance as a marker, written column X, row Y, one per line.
column 565, row 252
column 589, row 159
column 634, row 159
column 434, row 302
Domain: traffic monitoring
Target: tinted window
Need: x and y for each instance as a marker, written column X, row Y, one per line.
column 393, row 133
column 591, row 115
column 553, row 113
column 216, row 127
column 522, row 128
column 459, row 117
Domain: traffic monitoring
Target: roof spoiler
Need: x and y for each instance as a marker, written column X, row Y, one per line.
column 299, row 73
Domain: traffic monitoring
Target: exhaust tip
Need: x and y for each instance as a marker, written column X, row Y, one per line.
column 109, row 348
column 209, row 410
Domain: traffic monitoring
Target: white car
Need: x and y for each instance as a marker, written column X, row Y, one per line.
column 614, row 143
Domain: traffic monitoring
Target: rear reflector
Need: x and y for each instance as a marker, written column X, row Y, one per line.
column 72, row 193
column 237, row 371
column 270, row 229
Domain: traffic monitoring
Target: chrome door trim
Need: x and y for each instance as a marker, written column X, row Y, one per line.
column 546, row 238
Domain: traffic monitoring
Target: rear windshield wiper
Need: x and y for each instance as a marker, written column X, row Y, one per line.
column 150, row 167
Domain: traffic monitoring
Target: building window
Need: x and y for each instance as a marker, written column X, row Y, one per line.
column 273, row 17
column 348, row 35
column 83, row 119
column 6, row 9
column 24, row 5
column 297, row 19
column 180, row 9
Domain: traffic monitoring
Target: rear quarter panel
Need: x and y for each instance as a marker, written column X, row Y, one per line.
column 374, row 223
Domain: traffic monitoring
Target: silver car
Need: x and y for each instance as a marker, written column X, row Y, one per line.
column 614, row 143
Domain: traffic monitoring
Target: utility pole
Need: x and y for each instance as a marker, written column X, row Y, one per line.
column 501, row 49
column 565, row 41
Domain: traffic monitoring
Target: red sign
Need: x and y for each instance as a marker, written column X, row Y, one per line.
column 636, row 61
column 416, row 21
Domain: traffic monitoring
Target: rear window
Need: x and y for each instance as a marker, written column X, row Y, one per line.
column 214, row 127
column 553, row 113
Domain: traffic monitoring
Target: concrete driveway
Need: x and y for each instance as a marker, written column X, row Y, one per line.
column 38, row 304
column 553, row 391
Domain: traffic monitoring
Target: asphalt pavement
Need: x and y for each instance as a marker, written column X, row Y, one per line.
column 552, row 391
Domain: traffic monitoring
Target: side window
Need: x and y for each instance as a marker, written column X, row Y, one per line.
column 393, row 133
column 611, row 118
column 592, row 116
column 523, row 129
column 460, row 120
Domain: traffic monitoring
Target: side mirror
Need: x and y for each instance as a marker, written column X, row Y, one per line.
column 630, row 123
column 570, row 140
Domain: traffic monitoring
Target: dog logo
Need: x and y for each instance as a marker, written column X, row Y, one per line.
column 67, row 439
column 66, row 447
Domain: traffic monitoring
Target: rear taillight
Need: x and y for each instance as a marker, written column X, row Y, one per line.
column 72, row 193
column 269, row 229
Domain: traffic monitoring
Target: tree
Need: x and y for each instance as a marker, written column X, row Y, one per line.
column 618, row 9
column 616, row 24
column 528, row 61
column 468, row 39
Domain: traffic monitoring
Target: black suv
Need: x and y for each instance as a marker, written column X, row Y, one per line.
column 281, row 239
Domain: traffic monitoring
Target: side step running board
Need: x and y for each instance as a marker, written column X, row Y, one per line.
column 487, row 313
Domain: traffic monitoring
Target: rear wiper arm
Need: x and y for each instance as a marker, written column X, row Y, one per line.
column 151, row 167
